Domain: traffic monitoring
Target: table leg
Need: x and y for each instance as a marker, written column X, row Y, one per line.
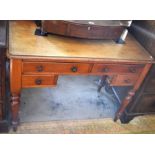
column 102, row 83
column 132, row 92
column 126, row 101
column 15, row 86
column 15, row 101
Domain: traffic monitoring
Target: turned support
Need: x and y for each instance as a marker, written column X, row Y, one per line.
column 15, row 87
column 15, row 101
column 132, row 92
column 102, row 83
column 125, row 102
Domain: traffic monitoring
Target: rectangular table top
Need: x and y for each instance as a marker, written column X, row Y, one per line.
column 24, row 44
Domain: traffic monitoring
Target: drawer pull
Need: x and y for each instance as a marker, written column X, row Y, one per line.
column 39, row 68
column 132, row 70
column 127, row 81
column 38, row 81
column 105, row 70
column 74, row 69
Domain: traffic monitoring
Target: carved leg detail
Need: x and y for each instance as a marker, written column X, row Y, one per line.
column 15, row 101
column 102, row 83
column 124, row 104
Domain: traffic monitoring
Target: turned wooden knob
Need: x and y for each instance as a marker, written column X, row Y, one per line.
column 38, row 81
column 74, row 69
column 105, row 70
column 40, row 68
column 132, row 70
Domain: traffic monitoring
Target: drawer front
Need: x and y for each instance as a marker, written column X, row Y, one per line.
column 123, row 80
column 38, row 81
column 60, row 68
column 110, row 68
column 87, row 31
column 58, row 27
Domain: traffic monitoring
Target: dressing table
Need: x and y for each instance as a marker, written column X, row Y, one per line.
column 37, row 61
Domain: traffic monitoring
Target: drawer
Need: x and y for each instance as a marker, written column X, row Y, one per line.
column 111, row 68
column 94, row 31
column 123, row 80
column 60, row 68
column 38, row 81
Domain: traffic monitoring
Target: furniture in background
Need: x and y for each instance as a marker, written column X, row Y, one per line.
column 4, row 107
column 37, row 61
column 87, row 29
column 144, row 100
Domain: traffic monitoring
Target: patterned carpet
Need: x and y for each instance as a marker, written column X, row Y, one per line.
column 143, row 124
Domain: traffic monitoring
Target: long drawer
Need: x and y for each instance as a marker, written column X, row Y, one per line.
column 117, row 68
column 57, row 68
column 38, row 81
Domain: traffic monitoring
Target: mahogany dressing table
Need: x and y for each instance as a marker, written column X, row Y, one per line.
column 37, row 61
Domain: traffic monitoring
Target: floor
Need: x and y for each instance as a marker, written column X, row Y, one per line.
column 74, row 97
column 139, row 125
column 75, row 106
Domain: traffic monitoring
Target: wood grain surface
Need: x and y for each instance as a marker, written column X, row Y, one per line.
column 23, row 43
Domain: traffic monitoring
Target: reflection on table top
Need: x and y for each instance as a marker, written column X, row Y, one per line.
column 24, row 43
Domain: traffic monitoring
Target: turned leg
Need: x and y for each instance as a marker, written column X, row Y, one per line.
column 102, row 83
column 15, row 101
column 15, row 87
column 132, row 92
column 125, row 102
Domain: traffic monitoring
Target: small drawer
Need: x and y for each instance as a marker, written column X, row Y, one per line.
column 60, row 68
column 38, row 81
column 110, row 68
column 123, row 80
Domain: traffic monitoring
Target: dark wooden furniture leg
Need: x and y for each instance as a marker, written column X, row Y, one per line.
column 102, row 83
column 132, row 92
column 15, row 86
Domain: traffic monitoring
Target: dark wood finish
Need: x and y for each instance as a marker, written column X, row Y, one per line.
column 85, row 29
column 144, row 32
column 102, row 82
column 146, row 104
column 150, row 80
column 144, row 100
column 4, row 107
